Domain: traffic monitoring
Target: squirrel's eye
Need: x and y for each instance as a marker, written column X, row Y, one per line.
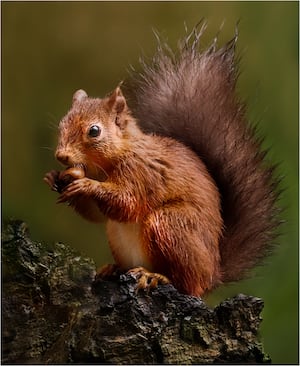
column 94, row 131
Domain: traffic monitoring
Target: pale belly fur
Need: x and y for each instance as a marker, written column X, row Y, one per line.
column 125, row 239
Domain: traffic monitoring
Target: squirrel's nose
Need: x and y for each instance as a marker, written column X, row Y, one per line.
column 62, row 157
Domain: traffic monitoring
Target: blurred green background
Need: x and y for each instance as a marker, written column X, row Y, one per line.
column 51, row 49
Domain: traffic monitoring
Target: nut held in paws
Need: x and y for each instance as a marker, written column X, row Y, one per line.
column 70, row 174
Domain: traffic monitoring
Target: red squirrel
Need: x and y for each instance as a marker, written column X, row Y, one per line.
column 180, row 176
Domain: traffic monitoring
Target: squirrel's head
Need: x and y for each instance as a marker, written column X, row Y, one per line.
column 94, row 132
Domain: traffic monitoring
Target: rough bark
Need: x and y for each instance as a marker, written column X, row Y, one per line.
column 53, row 313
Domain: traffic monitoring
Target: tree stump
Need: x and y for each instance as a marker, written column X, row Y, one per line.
column 53, row 312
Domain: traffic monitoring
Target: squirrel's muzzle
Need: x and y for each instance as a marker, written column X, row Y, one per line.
column 62, row 157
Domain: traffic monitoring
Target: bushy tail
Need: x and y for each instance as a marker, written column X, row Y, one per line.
column 190, row 96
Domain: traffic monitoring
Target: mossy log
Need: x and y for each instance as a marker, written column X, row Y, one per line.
column 52, row 313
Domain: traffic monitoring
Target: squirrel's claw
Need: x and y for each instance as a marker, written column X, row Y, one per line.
column 147, row 280
column 50, row 178
column 78, row 186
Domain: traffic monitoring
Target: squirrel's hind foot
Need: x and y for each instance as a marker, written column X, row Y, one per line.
column 147, row 280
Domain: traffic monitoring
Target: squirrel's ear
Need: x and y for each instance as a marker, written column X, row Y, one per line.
column 79, row 95
column 116, row 101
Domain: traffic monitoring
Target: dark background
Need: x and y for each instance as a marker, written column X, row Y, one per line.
column 51, row 49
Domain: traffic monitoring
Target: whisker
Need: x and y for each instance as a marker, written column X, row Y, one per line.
column 46, row 148
column 52, row 125
column 52, row 121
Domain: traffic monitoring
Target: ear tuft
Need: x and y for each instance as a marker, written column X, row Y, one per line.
column 79, row 95
column 116, row 101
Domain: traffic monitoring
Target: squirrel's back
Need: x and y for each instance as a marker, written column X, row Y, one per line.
column 191, row 97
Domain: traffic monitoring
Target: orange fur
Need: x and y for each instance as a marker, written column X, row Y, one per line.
column 199, row 212
column 154, row 182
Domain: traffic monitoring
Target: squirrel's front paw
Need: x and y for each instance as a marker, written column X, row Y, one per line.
column 83, row 186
